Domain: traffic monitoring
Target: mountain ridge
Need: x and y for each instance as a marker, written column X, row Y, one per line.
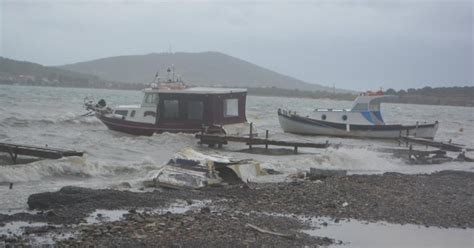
column 203, row 68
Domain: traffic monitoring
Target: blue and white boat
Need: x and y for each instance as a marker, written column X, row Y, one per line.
column 363, row 120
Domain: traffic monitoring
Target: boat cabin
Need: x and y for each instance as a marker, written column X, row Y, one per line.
column 188, row 109
column 364, row 111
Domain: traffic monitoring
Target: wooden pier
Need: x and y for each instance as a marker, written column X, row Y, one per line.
column 446, row 146
column 219, row 140
column 36, row 151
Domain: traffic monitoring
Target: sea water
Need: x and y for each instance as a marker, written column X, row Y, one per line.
column 53, row 116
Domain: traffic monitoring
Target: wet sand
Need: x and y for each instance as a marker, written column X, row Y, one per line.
column 444, row 199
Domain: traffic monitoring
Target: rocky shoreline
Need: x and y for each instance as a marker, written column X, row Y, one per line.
column 442, row 199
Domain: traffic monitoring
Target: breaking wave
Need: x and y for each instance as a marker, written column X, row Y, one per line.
column 78, row 167
column 352, row 160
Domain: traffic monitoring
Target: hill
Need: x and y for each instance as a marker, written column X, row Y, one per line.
column 455, row 96
column 28, row 73
column 204, row 69
column 22, row 72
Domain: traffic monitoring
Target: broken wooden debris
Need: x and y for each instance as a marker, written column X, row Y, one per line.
column 36, row 151
column 462, row 157
column 189, row 169
column 441, row 145
column 407, row 152
column 212, row 140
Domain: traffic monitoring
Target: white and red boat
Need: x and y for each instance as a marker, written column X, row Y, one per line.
column 174, row 107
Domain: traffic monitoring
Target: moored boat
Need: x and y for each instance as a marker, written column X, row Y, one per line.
column 174, row 107
column 363, row 120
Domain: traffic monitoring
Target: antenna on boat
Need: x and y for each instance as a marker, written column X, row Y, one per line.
column 168, row 75
column 156, row 79
column 172, row 66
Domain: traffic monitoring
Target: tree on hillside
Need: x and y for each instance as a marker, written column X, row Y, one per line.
column 390, row 92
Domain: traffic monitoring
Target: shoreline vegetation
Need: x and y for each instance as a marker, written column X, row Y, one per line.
column 14, row 72
column 444, row 96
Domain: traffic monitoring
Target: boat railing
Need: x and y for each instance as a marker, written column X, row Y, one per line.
column 330, row 110
column 286, row 112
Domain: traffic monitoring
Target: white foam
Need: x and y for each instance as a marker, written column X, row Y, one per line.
column 353, row 160
column 70, row 166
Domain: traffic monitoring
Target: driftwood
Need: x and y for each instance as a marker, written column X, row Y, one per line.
column 36, row 151
column 261, row 230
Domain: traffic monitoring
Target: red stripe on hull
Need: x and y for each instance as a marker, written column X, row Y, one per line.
column 137, row 128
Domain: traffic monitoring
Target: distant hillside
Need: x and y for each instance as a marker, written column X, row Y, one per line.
column 27, row 73
column 23, row 72
column 455, row 96
column 207, row 68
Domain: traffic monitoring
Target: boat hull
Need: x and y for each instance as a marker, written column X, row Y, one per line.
column 145, row 129
column 292, row 123
column 148, row 129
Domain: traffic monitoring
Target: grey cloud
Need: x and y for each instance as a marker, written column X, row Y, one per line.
column 353, row 44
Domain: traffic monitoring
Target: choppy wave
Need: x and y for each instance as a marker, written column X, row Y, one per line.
column 353, row 160
column 78, row 167
column 48, row 120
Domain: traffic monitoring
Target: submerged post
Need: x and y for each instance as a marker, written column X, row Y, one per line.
column 266, row 139
column 410, row 152
column 400, row 137
column 202, row 134
column 416, row 129
column 408, row 134
column 13, row 155
column 250, row 135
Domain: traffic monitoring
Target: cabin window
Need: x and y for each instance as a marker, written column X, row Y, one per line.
column 344, row 117
column 231, row 107
column 374, row 107
column 195, row 110
column 360, row 107
column 171, row 108
column 151, row 98
column 121, row 112
column 323, row 117
column 149, row 113
column 132, row 114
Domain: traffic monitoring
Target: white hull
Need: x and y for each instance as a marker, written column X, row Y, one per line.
column 292, row 125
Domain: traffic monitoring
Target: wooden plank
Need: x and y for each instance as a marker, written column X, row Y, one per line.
column 205, row 138
column 432, row 143
column 37, row 151
column 261, row 230
column 403, row 151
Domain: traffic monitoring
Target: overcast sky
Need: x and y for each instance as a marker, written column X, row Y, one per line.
column 352, row 44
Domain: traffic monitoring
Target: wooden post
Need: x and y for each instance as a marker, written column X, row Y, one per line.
column 250, row 135
column 410, row 151
column 266, row 139
column 416, row 129
column 11, row 185
column 13, row 155
column 400, row 138
column 296, row 149
column 408, row 134
column 202, row 134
